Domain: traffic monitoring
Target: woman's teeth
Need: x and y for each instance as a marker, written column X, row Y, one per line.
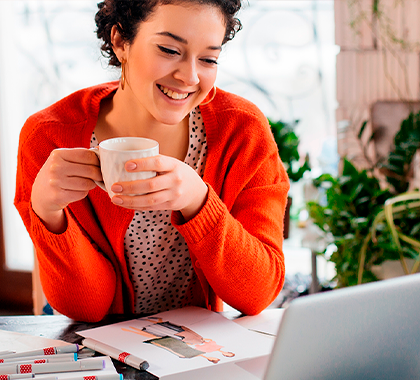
column 172, row 94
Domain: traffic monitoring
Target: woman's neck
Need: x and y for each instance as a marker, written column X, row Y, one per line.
column 119, row 118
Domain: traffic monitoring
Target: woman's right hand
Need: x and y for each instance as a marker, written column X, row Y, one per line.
column 66, row 177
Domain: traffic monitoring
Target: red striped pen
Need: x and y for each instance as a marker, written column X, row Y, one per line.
column 26, row 376
column 124, row 357
column 80, row 365
column 105, row 376
column 71, row 348
column 71, row 357
column 17, row 376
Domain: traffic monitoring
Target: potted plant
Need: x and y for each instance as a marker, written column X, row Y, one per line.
column 400, row 219
column 288, row 145
column 351, row 213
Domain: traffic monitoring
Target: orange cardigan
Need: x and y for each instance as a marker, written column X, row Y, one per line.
column 235, row 241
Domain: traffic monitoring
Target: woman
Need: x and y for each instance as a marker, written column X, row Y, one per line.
column 208, row 227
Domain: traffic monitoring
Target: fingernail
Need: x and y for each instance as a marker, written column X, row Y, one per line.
column 130, row 166
column 116, row 188
column 117, row 201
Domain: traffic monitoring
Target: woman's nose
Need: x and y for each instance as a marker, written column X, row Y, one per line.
column 187, row 73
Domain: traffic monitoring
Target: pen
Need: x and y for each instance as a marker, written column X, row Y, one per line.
column 17, row 376
column 70, row 357
column 26, row 376
column 80, row 365
column 114, row 353
column 45, row 351
column 7, row 352
column 105, row 376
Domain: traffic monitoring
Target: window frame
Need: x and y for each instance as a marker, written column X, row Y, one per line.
column 15, row 286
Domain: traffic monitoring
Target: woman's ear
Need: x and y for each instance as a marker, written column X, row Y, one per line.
column 118, row 44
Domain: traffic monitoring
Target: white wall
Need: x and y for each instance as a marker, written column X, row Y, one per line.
column 370, row 67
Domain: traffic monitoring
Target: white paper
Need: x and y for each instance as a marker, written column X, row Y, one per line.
column 257, row 366
column 226, row 371
column 234, row 342
column 11, row 340
column 267, row 322
column 249, row 369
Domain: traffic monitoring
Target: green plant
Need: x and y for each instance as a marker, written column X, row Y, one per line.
column 288, row 143
column 351, row 202
column 406, row 143
column 400, row 217
column 351, row 215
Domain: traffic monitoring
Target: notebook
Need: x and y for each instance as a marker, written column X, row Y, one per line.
column 369, row 331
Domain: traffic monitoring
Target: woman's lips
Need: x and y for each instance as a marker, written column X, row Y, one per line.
column 172, row 94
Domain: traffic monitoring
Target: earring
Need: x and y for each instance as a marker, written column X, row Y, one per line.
column 212, row 97
column 123, row 62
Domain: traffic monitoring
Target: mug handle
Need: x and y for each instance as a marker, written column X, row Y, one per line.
column 101, row 184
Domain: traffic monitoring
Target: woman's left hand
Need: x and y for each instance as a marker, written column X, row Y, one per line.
column 176, row 186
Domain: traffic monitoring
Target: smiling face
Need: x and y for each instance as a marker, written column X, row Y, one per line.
column 172, row 63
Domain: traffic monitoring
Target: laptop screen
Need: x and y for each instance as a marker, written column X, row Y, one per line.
column 369, row 331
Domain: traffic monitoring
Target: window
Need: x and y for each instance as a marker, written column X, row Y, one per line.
column 49, row 49
column 284, row 61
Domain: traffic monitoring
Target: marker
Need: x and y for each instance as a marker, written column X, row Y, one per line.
column 27, row 376
column 105, row 376
column 17, row 376
column 7, row 352
column 80, row 365
column 116, row 354
column 70, row 357
column 45, row 351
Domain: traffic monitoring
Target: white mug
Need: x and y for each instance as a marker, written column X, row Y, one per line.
column 114, row 153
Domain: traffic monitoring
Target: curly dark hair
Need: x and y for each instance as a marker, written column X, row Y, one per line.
column 128, row 14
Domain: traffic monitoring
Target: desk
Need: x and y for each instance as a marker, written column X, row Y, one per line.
column 63, row 328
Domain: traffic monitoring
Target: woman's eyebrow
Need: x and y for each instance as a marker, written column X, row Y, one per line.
column 183, row 40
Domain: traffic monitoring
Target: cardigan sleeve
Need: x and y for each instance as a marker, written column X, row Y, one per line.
column 77, row 279
column 236, row 239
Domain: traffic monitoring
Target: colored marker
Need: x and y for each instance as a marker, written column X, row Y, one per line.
column 80, row 365
column 44, row 351
column 105, row 376
column 17, row 376
column 70, row 357
column 116, row 354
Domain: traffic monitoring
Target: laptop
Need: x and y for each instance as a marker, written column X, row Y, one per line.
column 369, row 331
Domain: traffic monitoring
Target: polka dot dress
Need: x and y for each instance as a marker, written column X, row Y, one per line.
column 156, row 253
